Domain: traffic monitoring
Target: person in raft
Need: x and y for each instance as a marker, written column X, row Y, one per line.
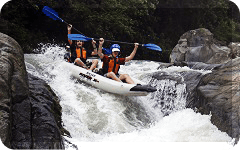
column 79, row 54
column 111, row 63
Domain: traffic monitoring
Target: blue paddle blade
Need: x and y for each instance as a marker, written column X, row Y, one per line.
column 107, row 51
column 51, row 13
column 152, row 47
column 78, row 37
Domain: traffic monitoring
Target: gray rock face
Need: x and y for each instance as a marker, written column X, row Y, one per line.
column 30, row 115
column 13, row 93
column 45, row 116
column 198, row 46
column 219, row 93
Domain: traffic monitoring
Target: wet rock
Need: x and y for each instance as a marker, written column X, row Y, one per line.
column 14, row 101
column 201, row 65
column 30, row 114
column 199, row 46
column 164, row 65
column 218, row 93
column 170, row 95
column 191, row 79
column 46, row 115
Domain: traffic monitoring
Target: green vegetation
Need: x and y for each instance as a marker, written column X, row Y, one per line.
column 145, row 21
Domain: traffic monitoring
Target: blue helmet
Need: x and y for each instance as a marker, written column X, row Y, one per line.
column 115, row 47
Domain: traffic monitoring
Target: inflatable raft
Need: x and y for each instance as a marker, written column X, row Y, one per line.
column 108, row 85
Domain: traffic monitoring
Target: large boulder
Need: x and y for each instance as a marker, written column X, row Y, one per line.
column 30, row 114
column 218, row 93
column 199, row 46
column 14, row 101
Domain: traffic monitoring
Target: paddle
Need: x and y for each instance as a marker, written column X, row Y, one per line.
column 84, row 38
column 54, row 15
column 78, row 37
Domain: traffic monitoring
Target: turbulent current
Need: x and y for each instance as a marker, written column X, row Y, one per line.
column 92, row 115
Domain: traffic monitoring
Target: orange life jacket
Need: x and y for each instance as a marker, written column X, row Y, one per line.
column 112, row 64
column 81, row 53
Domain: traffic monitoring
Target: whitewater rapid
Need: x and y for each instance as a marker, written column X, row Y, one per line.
column 92, row 115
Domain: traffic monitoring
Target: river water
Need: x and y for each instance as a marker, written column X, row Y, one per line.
column 94, row 117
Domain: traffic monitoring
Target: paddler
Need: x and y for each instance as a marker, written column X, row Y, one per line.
column 79, row 54
column 111, row 63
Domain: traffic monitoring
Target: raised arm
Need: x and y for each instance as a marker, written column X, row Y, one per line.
column 95, row 52
column 69, row 28
column 100, row 54
column 131, row 56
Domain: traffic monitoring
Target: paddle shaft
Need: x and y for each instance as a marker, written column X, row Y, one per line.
column 72, row 26
column 116, row 41
column 84, row 38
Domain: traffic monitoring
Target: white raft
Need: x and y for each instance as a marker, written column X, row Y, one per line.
column 106, row 84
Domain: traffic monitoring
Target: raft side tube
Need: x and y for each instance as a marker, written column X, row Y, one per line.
column 146, row 88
